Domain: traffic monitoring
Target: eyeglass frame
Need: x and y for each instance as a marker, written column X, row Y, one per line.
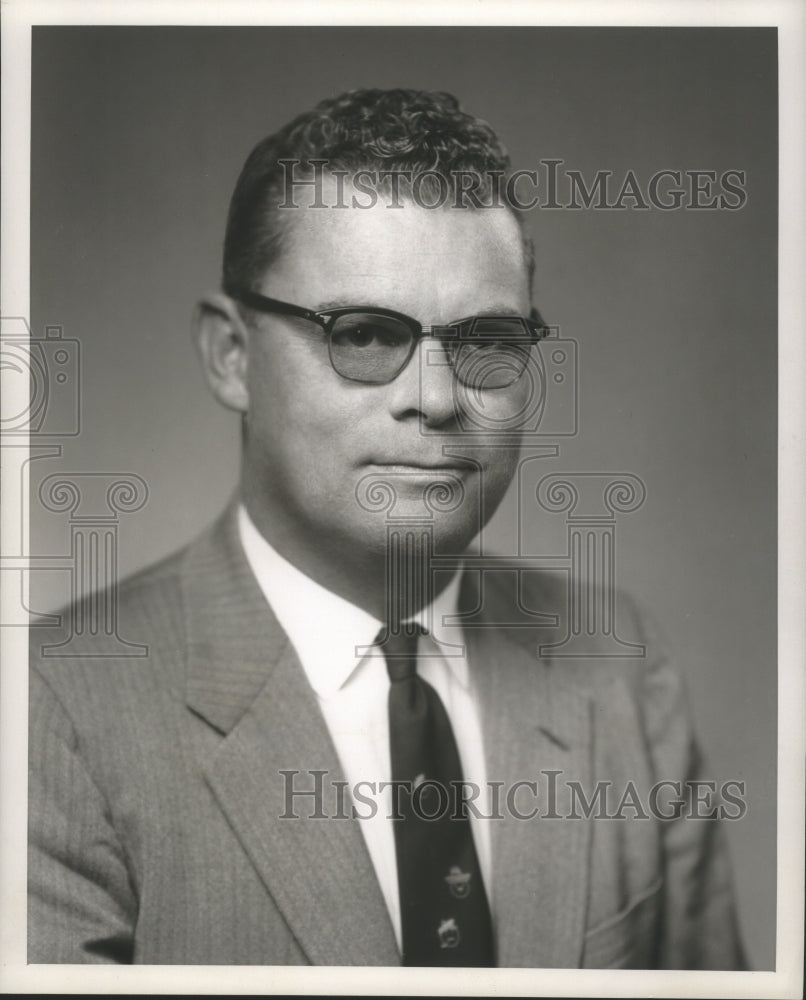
column 326, row 318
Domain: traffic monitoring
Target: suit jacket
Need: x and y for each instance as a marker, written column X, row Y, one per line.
column 155, row 793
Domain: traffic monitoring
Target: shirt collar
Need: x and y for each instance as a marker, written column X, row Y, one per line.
column 326, row 630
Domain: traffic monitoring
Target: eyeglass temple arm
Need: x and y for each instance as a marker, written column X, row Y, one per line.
column 543, row 329
column 264, row 304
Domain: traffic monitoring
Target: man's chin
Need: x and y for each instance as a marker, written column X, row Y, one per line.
column 439, row 535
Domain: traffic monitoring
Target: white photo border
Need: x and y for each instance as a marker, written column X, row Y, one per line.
column 18, row 16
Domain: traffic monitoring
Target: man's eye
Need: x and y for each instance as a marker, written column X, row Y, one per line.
column 360, row 336
column 370, row 335
column 487, row 336
column 489, row 344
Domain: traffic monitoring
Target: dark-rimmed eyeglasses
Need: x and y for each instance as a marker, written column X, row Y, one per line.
column 373, row 345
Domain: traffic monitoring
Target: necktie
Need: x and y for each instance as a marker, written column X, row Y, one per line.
column 444, row 912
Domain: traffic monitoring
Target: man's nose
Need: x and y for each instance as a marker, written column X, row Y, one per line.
column 426, row 388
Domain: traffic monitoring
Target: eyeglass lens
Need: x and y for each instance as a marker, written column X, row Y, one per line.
column 368, row 347
column 486, row 353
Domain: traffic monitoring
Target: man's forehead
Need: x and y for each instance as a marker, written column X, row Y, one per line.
column 342, row 255
column 338, row 204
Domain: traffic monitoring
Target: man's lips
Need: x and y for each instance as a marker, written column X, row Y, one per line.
column 423, row 465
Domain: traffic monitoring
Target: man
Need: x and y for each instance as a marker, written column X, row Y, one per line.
column 340, row 749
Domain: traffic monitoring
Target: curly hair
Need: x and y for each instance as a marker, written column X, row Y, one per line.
column 381, row 130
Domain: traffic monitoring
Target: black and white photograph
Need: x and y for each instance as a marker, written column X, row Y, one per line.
column 401, row 569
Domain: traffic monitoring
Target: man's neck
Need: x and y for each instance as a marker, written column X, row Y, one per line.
column 364, row 578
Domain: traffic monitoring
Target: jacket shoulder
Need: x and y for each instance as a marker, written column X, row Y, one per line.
column 610, row 646
column 133, row 633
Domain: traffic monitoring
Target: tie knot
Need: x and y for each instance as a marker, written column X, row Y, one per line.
column 400, row 650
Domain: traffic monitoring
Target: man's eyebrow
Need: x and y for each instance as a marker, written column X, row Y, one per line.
column 501, row 310
column 344, row 303
column 336, row 304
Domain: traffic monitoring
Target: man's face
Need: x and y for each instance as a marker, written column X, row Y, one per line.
column 313, row 438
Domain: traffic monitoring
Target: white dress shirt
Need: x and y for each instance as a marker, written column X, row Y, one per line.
column 353, row 690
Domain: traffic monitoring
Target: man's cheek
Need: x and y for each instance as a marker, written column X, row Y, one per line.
column 495, row 411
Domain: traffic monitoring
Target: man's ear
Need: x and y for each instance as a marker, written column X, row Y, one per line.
column 222, row 341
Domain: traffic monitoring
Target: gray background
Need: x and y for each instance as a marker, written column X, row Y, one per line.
column 138, row 136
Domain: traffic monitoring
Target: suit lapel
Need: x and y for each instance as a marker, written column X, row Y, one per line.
column 245, row 680
column 535, row 720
